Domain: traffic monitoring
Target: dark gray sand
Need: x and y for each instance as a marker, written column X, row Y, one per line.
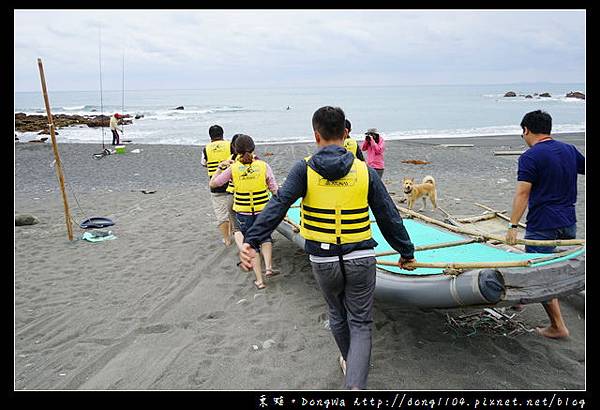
column 164, row 306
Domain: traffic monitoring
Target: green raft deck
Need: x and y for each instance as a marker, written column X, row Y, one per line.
column 482, row 276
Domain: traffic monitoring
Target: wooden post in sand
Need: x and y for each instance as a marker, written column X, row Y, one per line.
column 61, row 179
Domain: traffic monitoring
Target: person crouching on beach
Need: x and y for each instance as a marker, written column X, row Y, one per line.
column 213, row 154
column 337, row 191
column 252, row 178
column 350, row 143
column 375, row 146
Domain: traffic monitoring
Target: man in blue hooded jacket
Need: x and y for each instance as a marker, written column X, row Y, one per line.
column 337, row 191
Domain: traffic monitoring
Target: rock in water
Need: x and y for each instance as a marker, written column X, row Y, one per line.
column 547, row 95
column 576, row 94
column 25, row 219
column 179, row 108
column 510, row 94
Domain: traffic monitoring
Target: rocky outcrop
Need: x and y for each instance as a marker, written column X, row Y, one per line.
column 510, row 94
column 576, row 94
column 35, row 123
column 528, row 96
column 547, row 95
column 179, row 108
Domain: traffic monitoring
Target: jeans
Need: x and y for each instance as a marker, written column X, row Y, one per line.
column 115, row 140
column 379, row 172
column 567, row 232
column 349, row 294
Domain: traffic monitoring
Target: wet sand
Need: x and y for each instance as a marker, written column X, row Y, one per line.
column 165, row 307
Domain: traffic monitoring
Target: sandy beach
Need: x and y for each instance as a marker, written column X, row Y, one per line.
column 164, row 306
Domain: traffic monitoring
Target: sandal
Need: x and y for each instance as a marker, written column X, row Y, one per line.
column 271, row 272
column 259, row 285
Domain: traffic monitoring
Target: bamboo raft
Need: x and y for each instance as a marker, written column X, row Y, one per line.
column 466, row 262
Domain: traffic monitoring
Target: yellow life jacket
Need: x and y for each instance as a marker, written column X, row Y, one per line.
column 231, row 187
column 251, row 191
column 216, row 152
column 336, row 212
column 351, row 145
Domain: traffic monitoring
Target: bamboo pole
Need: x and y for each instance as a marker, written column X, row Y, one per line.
column 459, row 265
column 506, row 218
column 434, row 246
column 480, row 265
column 488, row 236
column 59, row 172
column 478, row 218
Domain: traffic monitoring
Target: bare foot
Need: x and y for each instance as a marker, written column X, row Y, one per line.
column 552, row 332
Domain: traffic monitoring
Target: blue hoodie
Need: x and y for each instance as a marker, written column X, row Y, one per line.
column 332, row 162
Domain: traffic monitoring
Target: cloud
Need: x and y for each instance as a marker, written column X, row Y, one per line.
column 285, row 47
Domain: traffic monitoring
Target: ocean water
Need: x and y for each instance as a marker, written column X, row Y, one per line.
column 397, row 111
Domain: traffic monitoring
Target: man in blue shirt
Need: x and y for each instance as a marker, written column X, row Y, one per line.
column 547, row 184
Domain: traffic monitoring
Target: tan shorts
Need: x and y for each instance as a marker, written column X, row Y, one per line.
column 221, row 203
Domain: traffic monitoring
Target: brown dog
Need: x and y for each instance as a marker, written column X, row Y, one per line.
column 413, row 191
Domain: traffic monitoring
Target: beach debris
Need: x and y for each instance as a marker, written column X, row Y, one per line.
column 268, row 343
column 489, row 321
column 241, row 301
column 26, row 219
column 508, row 152
column 98, row 236
column 415, row 161
column 136, row 151
column 255, row 347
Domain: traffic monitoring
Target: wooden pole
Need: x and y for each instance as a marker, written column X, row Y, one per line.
column 59, row 172
column 506, row 218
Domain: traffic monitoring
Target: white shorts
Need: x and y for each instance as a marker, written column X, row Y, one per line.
column 221, row 203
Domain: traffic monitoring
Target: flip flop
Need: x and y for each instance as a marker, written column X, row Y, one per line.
column 271, row 272
column 342, row 364
column 259, row 285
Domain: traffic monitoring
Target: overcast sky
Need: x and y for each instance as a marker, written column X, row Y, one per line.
column 190, row 49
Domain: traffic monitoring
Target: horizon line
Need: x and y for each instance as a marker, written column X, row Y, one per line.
column 317, row 86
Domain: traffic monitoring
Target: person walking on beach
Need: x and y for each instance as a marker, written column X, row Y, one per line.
column 375, row 146
column 350, row 143
column 252, row 179
column 337, row 190
column 215, row 152
column 238, row 237
column 114, row 128
column 547, row 185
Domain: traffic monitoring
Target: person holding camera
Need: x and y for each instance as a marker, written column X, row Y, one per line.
column 375, row 146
